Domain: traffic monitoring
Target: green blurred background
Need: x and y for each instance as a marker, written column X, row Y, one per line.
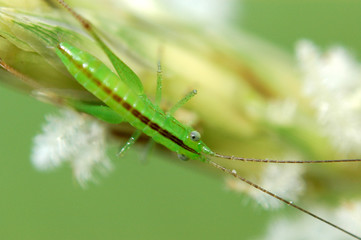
column 157, row 200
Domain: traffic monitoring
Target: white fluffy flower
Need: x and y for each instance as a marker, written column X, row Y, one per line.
column 332, row 81
column 71, row 137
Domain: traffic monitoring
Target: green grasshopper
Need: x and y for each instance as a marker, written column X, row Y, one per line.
column 126, row 101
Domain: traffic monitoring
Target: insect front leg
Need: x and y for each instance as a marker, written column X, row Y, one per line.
column 130, row 142
column 182, row 102
column 158, row 93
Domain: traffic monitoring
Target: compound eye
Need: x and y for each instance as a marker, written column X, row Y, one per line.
column 195, row 136
column 183, row 157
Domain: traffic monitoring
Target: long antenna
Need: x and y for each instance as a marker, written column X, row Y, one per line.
column 84, row 22
column 233, row 173
column 280, row 161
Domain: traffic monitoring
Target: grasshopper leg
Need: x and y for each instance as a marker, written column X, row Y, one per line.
column 182, row 102
column 130, row 142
